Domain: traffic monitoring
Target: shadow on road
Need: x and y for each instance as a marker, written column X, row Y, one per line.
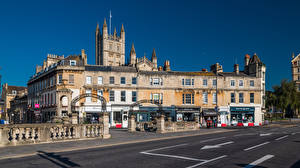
column 296, row 165
column 245, row 165
column 57, row 159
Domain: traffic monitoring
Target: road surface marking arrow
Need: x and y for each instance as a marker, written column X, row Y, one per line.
column 216, row 146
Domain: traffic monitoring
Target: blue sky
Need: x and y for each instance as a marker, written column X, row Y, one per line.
column 192, row 34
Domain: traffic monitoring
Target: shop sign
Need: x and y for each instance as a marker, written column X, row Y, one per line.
column 179, row 117
column 36, row 105
column 188, row 110
column 252, row 109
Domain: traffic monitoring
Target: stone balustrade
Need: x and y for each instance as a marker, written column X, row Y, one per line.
column 162, row 126
column 37, row 133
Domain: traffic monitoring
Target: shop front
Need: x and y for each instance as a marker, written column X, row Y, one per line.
column 187, row 113
column 146, row 113
column 209, row 115
column 242, row 116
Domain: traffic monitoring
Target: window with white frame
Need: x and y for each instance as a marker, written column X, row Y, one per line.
column 188, row 82
column 232, row 83
column 214, row 98
column 73, row 62
column 156, row 98
column 188, row 99
column 134, row 96
column 241, row 97
column 205, row 97
column 123, row 96
column 252, row 83
column 204, row 82
column 71, row 79
column 182, row 82
column 123, row 80
column 111, row 80
column 88, row 99
column 241, row 83
column 232, row 97
column 156, row 81
column 100, row 80
column 59, row 80
column 111, row 95
column 133, row 81
column 88, row 80
column 214, row 82
column 99, row 93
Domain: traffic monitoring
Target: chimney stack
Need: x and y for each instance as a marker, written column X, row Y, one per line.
column 236, row 68
column 167, row 66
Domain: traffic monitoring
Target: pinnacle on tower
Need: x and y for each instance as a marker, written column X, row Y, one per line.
column 132, row 51
column 115, row 32
column 122, row 29
column 104, row 24
column 97, row 29
column 153, row 54
column 293, row 55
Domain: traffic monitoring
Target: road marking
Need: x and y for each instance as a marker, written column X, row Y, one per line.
column 216, row 146
column 281, row 138
column 172, row 156
column 256, row 146
column 207, row 161
column 259, row 161
column 245, row 134
column 213, row 139
column 293, row 133
column 167, row 147
column 106, row 145
column 267, row 134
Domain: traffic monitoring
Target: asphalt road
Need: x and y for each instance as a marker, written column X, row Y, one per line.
column 250, row 147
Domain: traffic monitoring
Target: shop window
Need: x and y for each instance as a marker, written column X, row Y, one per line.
column 88, row 80
column 71, row 79
column 204, row 82
column 111, row 80
column 133, row 81
column 134, row 96
column 117, row 117
column 123, row 96
column 111, row 95
column 123, row 80
column 205, row 97
column 251, row 97
column 252, row 83
column 100, row 80
column 241, row 97
column 232, row 98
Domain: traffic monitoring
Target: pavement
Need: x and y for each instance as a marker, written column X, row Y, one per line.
column 263, row 147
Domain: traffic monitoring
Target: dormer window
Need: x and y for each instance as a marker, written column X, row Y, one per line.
column 14, row 92
column 72, row 62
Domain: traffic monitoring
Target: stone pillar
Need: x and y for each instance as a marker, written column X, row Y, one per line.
column 74, row 118
column 161, row 124
column 132, row 124
column 106, row 134
column 4, row 136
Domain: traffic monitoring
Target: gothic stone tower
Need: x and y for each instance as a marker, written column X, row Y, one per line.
column 110, row 49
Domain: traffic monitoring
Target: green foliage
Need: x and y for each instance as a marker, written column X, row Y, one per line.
column 284, row 97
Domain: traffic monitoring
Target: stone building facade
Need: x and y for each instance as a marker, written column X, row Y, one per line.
column 295, row 64
column 229, row 97
column 8, row 94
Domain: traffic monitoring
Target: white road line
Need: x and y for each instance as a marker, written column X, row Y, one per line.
column 293, row 133
column 216, row 146
column 245, row 134
column 207, row 161
column 213, row 139
column 172, row 156
column 168, row 147
column 256, row 146
column 281, row 138
column 259, row 161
